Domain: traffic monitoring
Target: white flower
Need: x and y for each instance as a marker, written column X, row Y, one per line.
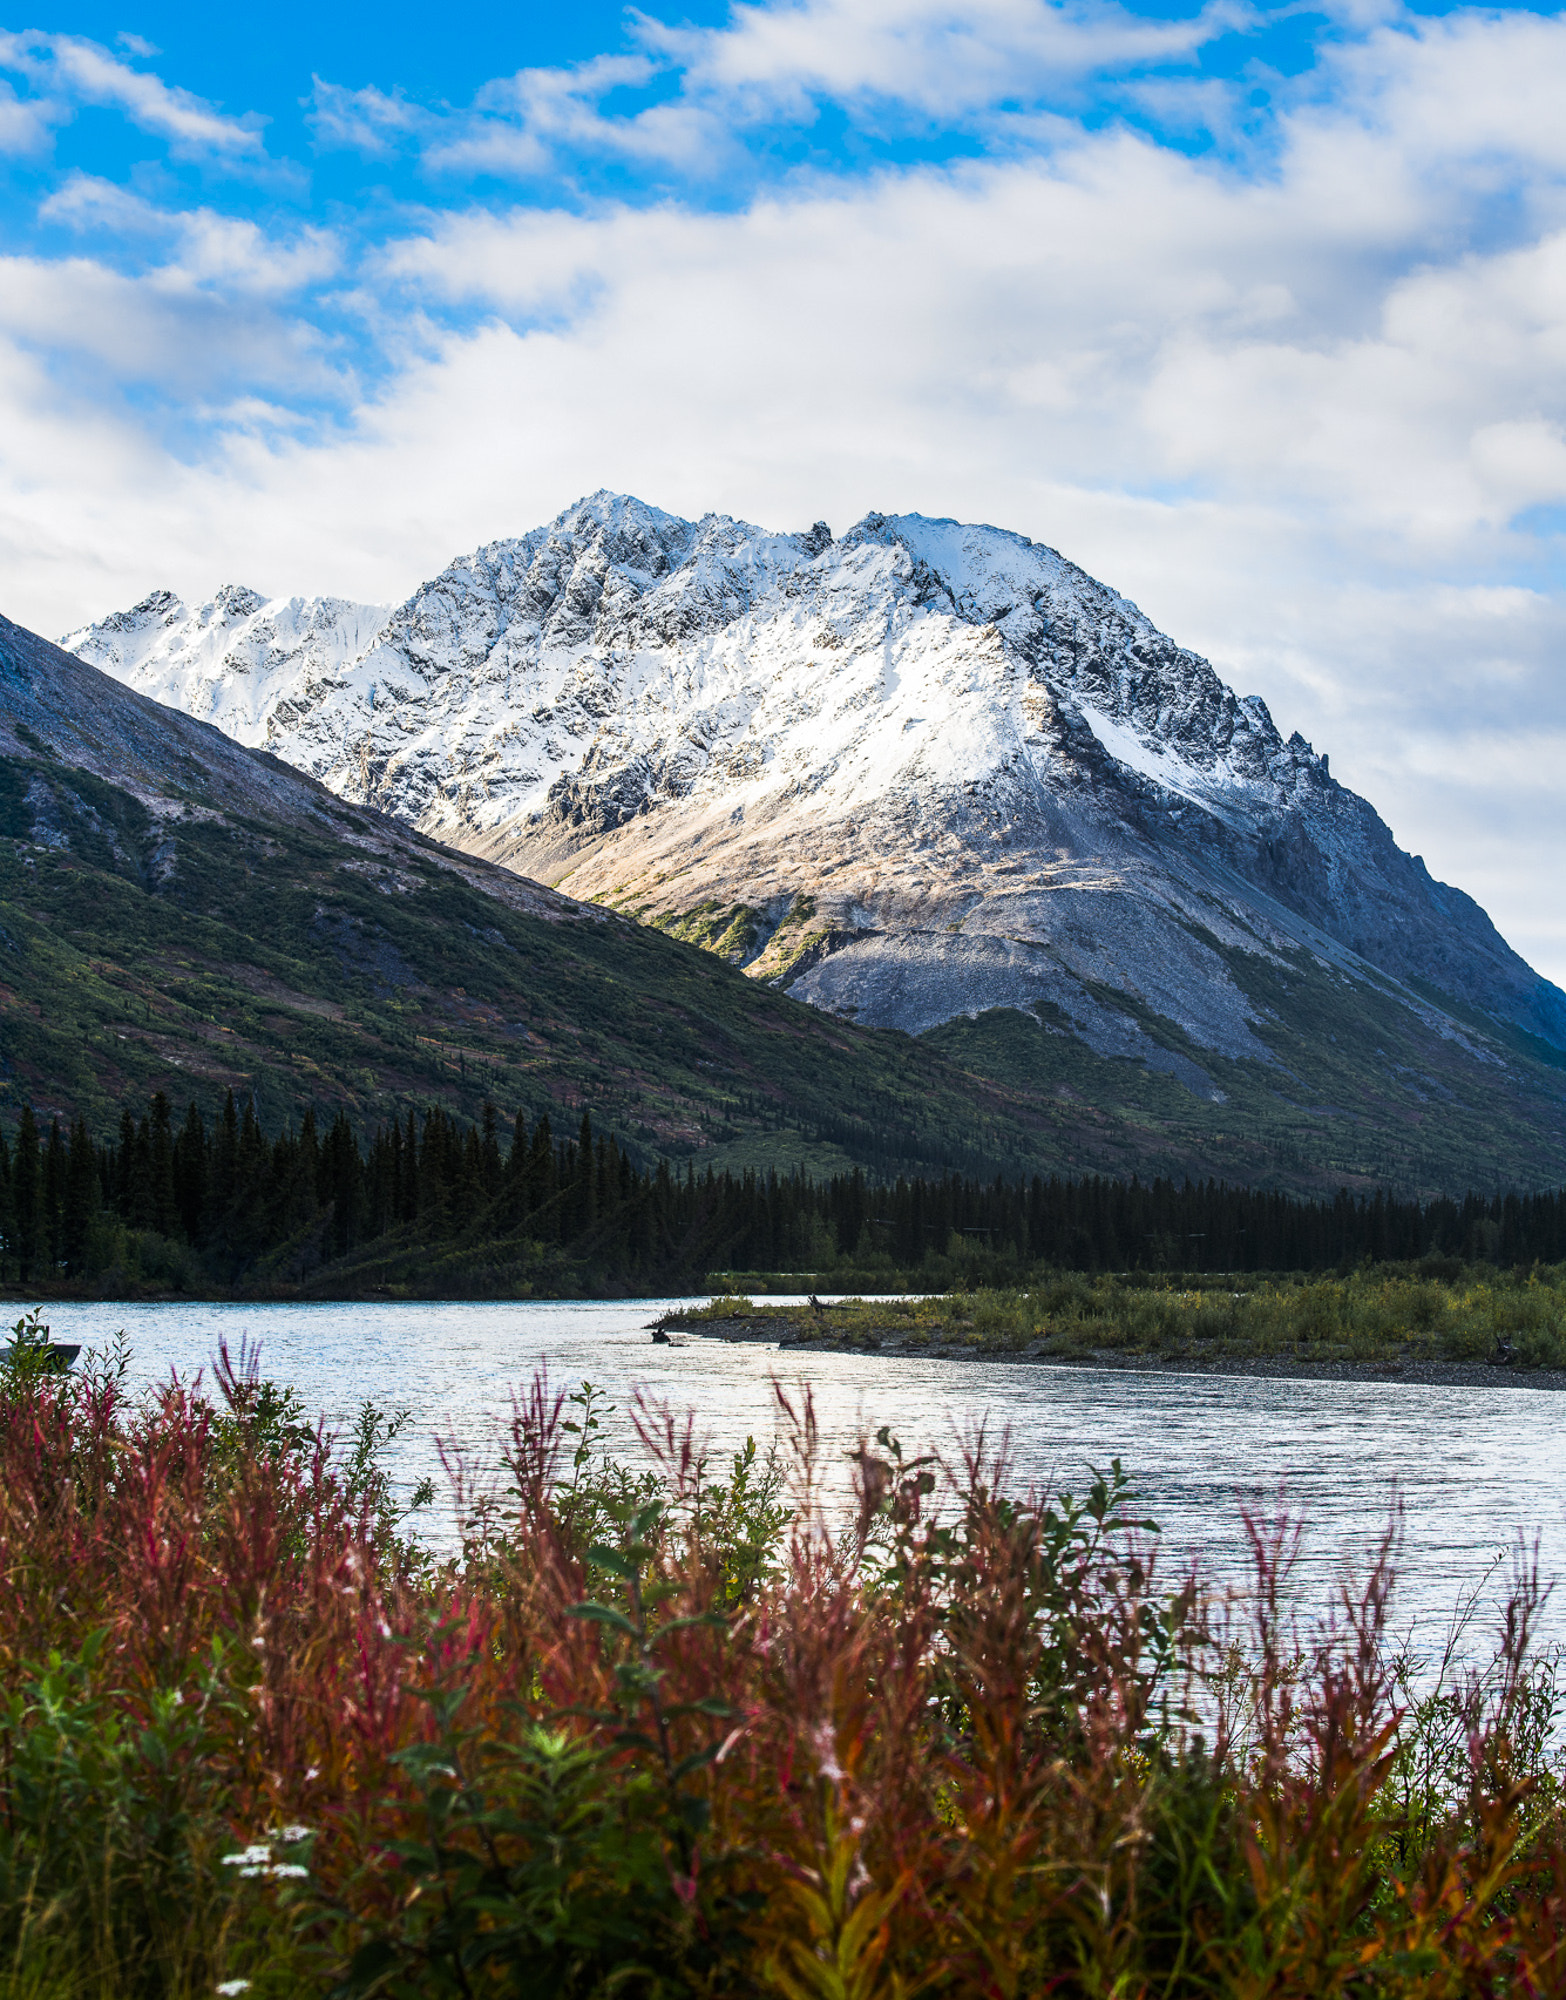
column 825, row 1740
column 234, row 1986
column 256, row 1859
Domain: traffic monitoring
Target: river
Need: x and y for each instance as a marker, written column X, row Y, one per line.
column 1473, row 1468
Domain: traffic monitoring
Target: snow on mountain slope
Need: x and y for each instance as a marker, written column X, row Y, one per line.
column 232, row 662
column 917, row 771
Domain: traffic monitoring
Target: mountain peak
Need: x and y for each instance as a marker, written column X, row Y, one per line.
column 914, row 773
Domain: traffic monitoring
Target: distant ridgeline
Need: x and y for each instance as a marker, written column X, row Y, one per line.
column 447, row 1209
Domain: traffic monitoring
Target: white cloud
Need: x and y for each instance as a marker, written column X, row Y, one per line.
column 1477, row 88
column 223, row 254
column 161, row 331
column 900, row 62
column 1290, row 403
column 70, row 70
column 940, row 58
column 26, row 124
column 368, row 121
column 521, row 125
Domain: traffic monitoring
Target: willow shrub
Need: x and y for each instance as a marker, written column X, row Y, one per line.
column 662, row 1733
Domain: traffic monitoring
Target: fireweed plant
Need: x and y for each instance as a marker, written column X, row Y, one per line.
column 667, row 1731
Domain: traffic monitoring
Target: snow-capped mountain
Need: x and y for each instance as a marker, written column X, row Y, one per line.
column 235, row 662
column 916, row 771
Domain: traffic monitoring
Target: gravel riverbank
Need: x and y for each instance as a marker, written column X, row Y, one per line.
column 791, row 1331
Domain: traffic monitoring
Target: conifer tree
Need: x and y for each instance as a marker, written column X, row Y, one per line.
column 191, row 1175
column 27, row 1197
column 412, row 1192
column 225, row 1158
column 81, row 1196
column 124, row 1165
column 489, row 1148
column 340, row 1185
column 54, row 1193
column 542, row 1171
column 163, row 1206
column 7, row 1204
column 585, row 1190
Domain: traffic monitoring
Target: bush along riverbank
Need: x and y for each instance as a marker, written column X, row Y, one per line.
column 677, row 1731
column 1426, row 1321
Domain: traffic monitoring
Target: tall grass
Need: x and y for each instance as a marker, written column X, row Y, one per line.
column 1443, row 1312
column 675, row 1731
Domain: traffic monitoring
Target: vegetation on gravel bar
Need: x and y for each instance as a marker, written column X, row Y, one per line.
column 667, row 1731
column 1391, row 1316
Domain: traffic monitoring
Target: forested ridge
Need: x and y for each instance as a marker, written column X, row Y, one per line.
column 433, row 1203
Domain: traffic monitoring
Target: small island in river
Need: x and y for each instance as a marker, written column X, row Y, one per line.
column 1459, row 1326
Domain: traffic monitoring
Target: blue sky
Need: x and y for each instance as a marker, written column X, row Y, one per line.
column 1257, row 312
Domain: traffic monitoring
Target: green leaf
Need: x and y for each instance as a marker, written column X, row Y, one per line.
column 601, row 1556
column 694, row 1761
column 605, row 1614
column 715, row 1618
column 371, row 1962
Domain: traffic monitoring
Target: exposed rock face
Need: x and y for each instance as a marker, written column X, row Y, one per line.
column 917, row 771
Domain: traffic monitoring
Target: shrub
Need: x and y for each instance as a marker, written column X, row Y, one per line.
column 688, row 1730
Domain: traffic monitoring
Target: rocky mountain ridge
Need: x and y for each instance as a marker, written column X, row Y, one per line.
column 179, row 913
column 914, row 774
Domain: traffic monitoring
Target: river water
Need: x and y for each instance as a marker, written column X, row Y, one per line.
column 1473, row 1469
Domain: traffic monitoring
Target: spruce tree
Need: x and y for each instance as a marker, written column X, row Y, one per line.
column 54, row 1194
column 490, row 1169
column 27, row 1196
column 164, row 1205
column 225, row 1158
column 124, row 1165
column 192, row 1171
column 81, row 1197
column 585, row 1198
column 7, row 1205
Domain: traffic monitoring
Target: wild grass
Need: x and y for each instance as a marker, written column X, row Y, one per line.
column 668, row 1731
column 1374, row 1316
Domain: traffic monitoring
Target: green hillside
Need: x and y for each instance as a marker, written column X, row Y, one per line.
column 180, row 914
column 266, row 959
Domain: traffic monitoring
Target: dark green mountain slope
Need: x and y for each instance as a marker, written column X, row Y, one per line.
column 179, row 913
column 1370, row 1084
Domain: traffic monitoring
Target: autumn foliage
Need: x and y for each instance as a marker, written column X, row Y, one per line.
column 658, row 1733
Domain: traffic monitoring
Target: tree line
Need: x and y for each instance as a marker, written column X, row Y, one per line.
column 579, row 1204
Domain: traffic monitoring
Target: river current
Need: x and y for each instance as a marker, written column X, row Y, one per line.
column 1471, row 1468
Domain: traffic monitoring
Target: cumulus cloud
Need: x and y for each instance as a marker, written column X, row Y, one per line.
column 223, row 254
column 1303, row 395
column 130, row 333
